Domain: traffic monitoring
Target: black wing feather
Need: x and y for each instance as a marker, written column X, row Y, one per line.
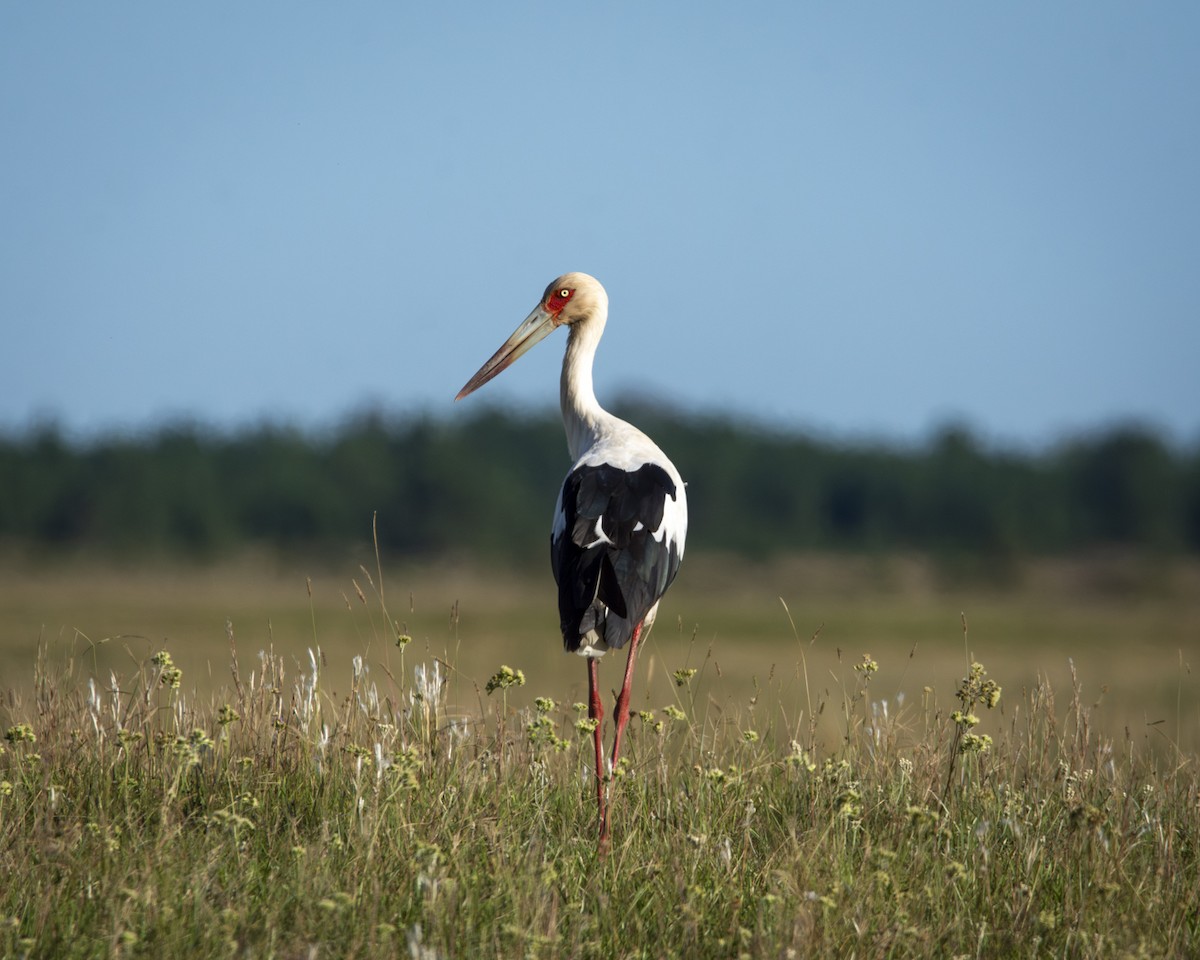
column 626, row 576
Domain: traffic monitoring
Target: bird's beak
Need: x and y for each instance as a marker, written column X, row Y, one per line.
column 534, row 328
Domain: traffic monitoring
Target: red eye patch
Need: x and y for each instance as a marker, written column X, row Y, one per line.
column 558, row 299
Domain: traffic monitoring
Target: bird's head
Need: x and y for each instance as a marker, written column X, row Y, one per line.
column 572, row 298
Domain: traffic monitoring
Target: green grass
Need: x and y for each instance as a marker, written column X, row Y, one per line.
column 824, row 803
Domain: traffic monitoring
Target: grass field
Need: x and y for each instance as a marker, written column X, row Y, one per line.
column 1131, row 631
column 817, row 788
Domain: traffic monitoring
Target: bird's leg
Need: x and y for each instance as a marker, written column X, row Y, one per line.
column 622, row 710
column 596, row 714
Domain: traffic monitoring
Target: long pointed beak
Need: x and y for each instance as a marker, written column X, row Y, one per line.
column 534, row 328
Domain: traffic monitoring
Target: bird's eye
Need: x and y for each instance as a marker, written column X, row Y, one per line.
column 558, row 299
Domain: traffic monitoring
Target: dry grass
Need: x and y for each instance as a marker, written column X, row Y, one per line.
column 1130, row 633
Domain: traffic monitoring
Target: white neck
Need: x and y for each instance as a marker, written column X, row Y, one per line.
column 583, row 417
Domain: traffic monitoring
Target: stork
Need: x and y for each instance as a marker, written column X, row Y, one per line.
column 621, row 516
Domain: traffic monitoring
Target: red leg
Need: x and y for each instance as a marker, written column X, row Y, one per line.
column 622, row 710
column 596, row 713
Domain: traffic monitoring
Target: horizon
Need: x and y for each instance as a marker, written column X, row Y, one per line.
column 395, row 418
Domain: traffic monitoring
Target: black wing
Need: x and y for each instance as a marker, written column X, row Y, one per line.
column 604, row 556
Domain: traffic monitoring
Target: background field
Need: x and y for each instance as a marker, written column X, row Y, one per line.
column 1129, row 630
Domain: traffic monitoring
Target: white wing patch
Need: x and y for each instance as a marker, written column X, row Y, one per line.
column 560, row 518
column 601, row 536
column 674, row 520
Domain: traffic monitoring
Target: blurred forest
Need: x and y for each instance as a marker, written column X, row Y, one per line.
column 485, row 486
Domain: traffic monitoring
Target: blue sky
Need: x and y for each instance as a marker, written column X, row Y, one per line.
column 860, row 219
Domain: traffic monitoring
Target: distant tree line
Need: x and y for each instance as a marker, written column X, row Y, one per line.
column 486, row 485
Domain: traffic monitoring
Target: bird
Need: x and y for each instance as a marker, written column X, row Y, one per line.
column 620, row 520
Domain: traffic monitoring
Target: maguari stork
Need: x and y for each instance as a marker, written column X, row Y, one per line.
column 621, row 516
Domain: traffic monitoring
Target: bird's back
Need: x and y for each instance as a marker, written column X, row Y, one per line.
column 618, row 538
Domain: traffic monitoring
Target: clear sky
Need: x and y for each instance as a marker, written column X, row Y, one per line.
column 857, row 218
